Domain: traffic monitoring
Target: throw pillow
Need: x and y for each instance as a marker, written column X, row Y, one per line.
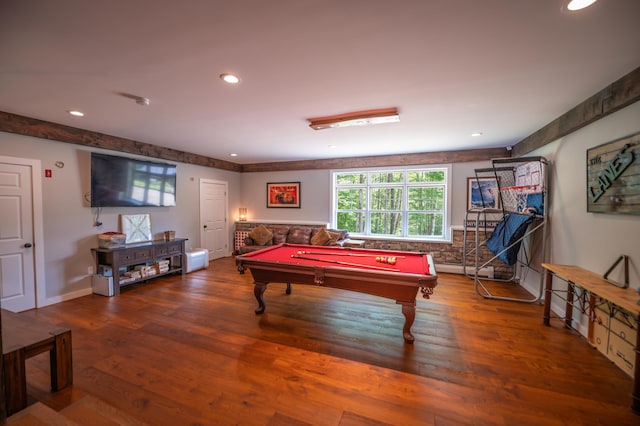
column 261, row 235
column 335, row 237
column 320, row 238
column 299, row 235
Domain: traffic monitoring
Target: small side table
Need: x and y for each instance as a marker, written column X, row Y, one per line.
column 353, row 243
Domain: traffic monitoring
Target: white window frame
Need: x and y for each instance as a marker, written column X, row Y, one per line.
column 446, row 237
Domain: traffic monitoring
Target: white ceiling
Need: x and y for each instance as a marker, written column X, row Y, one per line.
column 501, row 67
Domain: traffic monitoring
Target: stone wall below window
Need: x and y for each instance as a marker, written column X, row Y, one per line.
column 445, row 252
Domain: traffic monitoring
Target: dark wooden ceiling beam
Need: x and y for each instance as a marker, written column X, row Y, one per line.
column 440, row 157
column 612, row 98
column 13, row 123
column 26, row 126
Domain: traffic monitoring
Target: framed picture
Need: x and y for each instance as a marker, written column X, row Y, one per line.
column 283, row 194
column 613, row 177
column 483, row 193
column 137, row 227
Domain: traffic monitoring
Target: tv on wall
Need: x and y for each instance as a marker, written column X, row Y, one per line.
column 127, row 182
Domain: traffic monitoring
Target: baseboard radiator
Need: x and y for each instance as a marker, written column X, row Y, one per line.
column 446, row 268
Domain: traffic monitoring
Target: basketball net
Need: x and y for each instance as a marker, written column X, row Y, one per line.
column 514, row 198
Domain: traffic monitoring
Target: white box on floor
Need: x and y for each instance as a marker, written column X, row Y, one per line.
column 197, row 258
column 102, row 285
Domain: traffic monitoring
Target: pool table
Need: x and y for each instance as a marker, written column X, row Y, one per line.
column 392, row 274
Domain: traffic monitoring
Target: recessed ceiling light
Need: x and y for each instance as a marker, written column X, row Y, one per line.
column 76, row 113
column 233, row 155
column 573, row 5
column 332, row 146
column 476, row 134
column 230, row 78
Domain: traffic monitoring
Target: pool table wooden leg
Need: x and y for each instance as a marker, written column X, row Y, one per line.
column 409, row 312
column 258, row 291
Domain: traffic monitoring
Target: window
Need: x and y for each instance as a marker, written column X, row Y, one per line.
column 401, row 203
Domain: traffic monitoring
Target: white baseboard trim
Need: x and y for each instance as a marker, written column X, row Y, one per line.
column 64, row 297
column 448, row 268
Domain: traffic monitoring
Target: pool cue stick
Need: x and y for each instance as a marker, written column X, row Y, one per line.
column 348, row 254
column 344, row 263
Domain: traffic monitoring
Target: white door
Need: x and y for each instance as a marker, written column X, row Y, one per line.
column 213, row 217
column 17, row 258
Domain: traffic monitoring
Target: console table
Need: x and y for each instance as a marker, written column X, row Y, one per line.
column 138, row 254
column 595, row 287
column 24, row 337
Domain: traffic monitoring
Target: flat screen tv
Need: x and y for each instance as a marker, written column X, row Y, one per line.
column 127, row 182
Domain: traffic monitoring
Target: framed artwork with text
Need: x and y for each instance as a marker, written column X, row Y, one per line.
column 613, row 177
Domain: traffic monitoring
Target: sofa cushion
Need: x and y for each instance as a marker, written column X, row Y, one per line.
column 279, row 234
column 299, row 235
column 320, row 237
column 261, row 235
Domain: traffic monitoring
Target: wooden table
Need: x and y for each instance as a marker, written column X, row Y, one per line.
column 596, row 286
column 24, row 337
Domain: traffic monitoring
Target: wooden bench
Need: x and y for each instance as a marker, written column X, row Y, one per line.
column 594, row 286
column 24, row 337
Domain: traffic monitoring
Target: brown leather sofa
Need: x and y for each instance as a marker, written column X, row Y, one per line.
column 264, row 236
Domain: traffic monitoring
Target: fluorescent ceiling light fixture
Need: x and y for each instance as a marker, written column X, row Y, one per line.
column 476, row 134
column 573, row 5
column 230, row 78
column 76, row 113
column 358, row 118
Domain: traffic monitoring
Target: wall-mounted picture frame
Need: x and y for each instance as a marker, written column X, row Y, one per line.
column 613, row 176
column 283, row 194
column 483, row 193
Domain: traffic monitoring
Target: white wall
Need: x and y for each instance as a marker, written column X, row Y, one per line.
column 593, row 241
column 69, row 231
column 316, row 193
column 461, row 173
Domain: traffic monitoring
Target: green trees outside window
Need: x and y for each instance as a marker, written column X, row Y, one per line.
column 398, row 203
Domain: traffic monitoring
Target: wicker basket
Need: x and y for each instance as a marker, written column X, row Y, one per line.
column 111, row 240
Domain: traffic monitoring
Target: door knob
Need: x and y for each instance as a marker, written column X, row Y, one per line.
column 27, row 245
column 204, row 226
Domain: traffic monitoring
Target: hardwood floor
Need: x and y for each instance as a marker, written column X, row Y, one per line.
column 192, row 352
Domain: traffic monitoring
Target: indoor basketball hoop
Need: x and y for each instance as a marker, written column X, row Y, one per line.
column 514, row 198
